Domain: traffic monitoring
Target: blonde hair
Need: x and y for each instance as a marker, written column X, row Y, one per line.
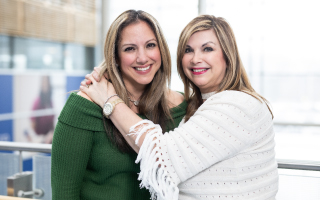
column 235, row 77
column 153, row 102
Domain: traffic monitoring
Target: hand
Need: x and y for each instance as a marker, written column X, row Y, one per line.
column 99, row 91
column 95, row 73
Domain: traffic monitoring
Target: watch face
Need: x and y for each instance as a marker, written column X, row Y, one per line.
column 107, row 109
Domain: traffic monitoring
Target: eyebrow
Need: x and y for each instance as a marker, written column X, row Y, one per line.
column 208, row 43
column 136, row 45
column 202, row 45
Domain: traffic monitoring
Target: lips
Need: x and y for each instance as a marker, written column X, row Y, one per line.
column 198, row 71
column 143, row 69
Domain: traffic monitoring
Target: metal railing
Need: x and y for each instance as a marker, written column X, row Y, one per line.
column 46, row 148
column 279, row 123
column 18, row 146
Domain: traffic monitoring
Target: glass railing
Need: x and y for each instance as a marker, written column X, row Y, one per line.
column 18, row 183
column 297, row 179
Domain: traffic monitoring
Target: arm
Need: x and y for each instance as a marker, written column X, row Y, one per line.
column 70, row 153
column 223, row 127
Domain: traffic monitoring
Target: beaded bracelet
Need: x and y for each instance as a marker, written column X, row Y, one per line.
column 110, row 97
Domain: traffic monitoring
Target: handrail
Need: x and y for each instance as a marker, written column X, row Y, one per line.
column 46, row 148
column 295, row 124
column 19, row 146
column 299, row 164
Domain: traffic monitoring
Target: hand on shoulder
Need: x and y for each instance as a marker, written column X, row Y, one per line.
column 84, row 95
column 174, row 98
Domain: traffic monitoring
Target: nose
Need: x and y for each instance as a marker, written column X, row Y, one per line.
column 197, row 57
column 142, row 57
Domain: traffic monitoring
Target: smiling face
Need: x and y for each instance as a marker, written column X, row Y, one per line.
column 139, row 55
column 203, row 62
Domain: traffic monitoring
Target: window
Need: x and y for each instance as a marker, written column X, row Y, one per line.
column 5, row 57
column 37, row 54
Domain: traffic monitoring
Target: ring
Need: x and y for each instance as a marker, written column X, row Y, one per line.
column 87, row 86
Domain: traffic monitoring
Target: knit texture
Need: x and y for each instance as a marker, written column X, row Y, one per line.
column 224, row 151
column 85, row 164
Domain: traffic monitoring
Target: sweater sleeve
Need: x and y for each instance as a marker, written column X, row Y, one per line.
column 224, row 126
column 72, row 144
column 70, row 153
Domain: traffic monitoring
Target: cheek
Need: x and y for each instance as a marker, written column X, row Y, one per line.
column 126, row 60
column 185, row 62
column 155, row 55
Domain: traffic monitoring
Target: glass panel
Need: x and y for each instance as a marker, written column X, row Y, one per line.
column 42, row 175
column 298, row 184
column 37, row 54
column 8, row 167
column 4, row 51
column 78, row 57
column 280, row 53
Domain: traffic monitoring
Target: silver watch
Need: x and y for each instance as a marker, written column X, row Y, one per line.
column 108, row 107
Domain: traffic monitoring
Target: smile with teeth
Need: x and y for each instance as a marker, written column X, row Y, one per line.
column 142, row 69
column 198, row 70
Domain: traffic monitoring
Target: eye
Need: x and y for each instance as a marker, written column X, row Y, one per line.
column 188, row 50
column 208, row 49
column 129, row 49
column 151, row 45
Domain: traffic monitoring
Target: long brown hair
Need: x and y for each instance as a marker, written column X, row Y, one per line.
column 235, row 77
column 153, row 102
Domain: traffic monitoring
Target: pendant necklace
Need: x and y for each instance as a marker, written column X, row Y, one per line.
column 136, row 103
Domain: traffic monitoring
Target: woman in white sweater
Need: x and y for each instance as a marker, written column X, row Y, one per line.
column 224, row 149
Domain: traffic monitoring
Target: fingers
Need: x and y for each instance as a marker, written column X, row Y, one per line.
column 84, row 89
column 87, row 81
column 92, row 79
column 84, row 82
column 97, row 69
column 95, row 73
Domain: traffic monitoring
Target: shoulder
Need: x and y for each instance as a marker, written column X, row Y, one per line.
column 231, row 101
column 235, row 98
column 84, row 95
column 174, row 98
column 82, row 113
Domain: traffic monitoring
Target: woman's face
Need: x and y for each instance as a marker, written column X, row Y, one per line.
column 203, row 62
column 139, row 55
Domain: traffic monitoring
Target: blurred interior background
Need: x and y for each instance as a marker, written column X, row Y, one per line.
column 47, row 46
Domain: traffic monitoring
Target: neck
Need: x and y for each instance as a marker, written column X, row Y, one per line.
column 135, row 92
column 207, row 95
column 208, row 90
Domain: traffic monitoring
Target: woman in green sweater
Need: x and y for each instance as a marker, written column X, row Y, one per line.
column 90, row 158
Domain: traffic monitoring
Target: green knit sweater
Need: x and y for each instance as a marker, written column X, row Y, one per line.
column 85, row 165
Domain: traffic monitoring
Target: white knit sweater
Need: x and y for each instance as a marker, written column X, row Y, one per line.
column 225, row 151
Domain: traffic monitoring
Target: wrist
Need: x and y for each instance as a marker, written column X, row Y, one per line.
column 110, row 106
column 108, row 100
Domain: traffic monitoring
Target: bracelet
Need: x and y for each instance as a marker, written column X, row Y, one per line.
column 110, row 97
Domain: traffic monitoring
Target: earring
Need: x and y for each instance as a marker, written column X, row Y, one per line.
column 117, row 65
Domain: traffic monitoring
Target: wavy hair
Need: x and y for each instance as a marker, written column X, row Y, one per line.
column 153, row 102
column 235, row 77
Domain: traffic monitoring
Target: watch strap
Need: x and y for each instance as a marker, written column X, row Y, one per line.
column 114, row 103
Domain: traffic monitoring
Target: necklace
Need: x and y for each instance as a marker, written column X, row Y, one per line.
column 136, row 103
column 207, row 95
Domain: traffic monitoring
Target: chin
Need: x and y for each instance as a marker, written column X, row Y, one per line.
column 144, row 81
column 200, row 84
